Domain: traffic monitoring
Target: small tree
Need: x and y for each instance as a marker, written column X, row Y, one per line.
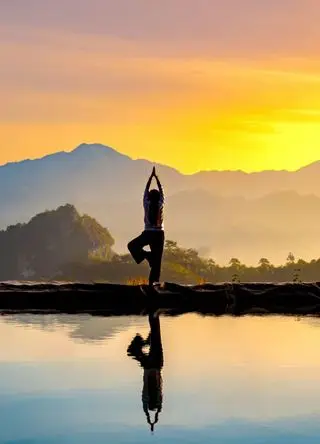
column 291, row 259
column 235, row 279
column 264, row 263
column 296, row 276
column 235, row 263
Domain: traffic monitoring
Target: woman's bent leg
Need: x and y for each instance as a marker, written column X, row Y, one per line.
column 136, row 247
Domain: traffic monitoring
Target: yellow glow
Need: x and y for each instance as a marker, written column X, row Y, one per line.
column 190, row 113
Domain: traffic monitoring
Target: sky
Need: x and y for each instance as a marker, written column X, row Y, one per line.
column 195, row 84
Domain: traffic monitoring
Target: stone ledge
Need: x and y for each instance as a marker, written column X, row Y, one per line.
column 217, row 299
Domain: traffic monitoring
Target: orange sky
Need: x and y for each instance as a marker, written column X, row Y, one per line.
column 194, row 87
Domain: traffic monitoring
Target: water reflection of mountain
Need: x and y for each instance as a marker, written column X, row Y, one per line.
column 85, row 327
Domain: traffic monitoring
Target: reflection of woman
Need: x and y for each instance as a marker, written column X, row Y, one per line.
column 152, row 364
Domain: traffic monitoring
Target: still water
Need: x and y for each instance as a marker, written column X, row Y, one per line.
column 68, row 379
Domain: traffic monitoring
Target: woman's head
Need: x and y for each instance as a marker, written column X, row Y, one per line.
column 154, row 196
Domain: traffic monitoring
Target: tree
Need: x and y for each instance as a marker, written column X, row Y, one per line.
column 235, row 263
column 211, row 265
column 264, row 263
column 291, row 259
column 170, row 245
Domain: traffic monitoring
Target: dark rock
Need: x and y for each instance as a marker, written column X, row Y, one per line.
column 236, row 299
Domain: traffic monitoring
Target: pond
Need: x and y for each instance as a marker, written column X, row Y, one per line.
column 71, row 379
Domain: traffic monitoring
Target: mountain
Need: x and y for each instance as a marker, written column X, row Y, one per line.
column 91, row 176
column 270, row 226
column 49, row 241
column 224, row 213
column 85, row 328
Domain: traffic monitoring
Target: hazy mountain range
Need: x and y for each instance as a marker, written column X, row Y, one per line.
column 83, row 327
column 224, row 214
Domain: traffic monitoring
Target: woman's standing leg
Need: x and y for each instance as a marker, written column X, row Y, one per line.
column 156, row 246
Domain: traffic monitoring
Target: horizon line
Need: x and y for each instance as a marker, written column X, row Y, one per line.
column 83, row 144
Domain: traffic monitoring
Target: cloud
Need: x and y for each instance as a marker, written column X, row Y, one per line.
column 231, row 27
column 226, row 84
column 106, row 71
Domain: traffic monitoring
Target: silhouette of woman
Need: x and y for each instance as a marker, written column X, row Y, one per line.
column 152, row 364
column 153, row 234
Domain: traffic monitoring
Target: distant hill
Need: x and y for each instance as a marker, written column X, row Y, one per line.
column 270, row 226
column 224, row 213
column 88, row 329
column 49, row 241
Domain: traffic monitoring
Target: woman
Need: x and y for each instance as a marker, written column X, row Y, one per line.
column 153, row 234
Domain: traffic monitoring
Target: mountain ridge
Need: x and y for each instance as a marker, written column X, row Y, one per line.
column 227, row 213
column 104, row 149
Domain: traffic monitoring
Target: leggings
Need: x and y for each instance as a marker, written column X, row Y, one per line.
column 155, row 239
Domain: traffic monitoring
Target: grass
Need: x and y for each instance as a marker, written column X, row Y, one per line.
column 137, row 281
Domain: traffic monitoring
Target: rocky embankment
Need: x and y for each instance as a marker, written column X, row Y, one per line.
column 217, row 299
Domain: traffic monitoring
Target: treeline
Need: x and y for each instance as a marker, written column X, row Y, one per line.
column 186, row 266
column 64, row 245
